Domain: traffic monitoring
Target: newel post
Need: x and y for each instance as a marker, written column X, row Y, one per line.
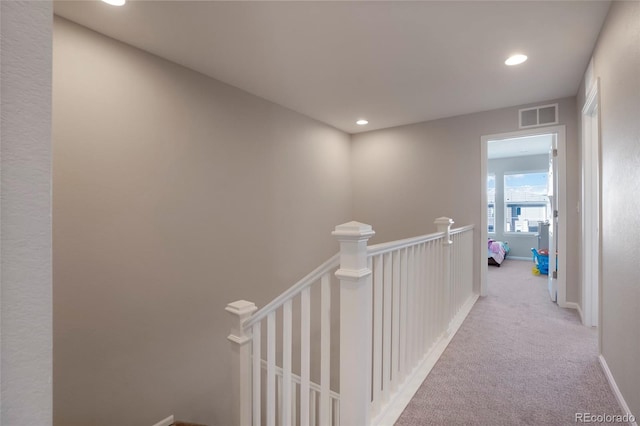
column 355, row 323
column 240, row 362
column 443, row 224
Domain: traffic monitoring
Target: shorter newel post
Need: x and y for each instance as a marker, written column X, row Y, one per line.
column 241, row 362
column 355, row 323
column 443, row 224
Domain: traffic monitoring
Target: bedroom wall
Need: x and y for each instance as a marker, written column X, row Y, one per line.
column 404, row 177
column 520, row 244
column 616, row 63
column 174, row 194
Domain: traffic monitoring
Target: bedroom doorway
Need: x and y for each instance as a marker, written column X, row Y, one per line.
column 523, row 203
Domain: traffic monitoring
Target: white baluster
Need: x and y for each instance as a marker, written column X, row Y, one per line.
column 411, row 295
column 428, row 295
column 417, row 325
column 439, row 270
column 325, row 345
column 419, row 315
column 377, row 332
column 423, row 304
column 435, row 301
column 305, row 355
column 286, row 363
column 241, row 362
column 427, row 323
column 452, row 278
column 433, row 294
column 395, row 338
column 458, row 269
column 403, row 313
column 257, row 373
column 470, row 261
column 271, row 369
column 461, row 278
column 386, row 333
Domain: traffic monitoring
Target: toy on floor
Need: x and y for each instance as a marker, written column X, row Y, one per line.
column 541, row 261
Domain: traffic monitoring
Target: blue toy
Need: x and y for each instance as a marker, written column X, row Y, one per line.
column 541, row 261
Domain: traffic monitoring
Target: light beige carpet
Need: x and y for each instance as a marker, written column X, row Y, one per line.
column 518, row 359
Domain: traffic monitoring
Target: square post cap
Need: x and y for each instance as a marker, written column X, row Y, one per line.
column 446, row 221
column 353, row 231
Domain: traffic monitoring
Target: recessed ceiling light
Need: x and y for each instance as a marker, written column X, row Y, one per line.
column 115, row 2
column 362, row 122
column 516, row 59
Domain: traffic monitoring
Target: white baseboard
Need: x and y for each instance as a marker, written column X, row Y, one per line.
column 520, row 258
column 573, row 305
column 166, row 422
column 616, row 391
column 399, row 402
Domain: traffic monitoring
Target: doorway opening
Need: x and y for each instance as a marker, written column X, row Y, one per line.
column 523, row 174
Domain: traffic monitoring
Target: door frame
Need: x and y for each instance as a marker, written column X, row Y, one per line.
column 591, row 215
column 560, row 131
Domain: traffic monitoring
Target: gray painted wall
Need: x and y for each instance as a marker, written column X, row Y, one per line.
column 174, row 194
column 519, row 243
column 404, row 177
column 617, row 64
column 25, row 150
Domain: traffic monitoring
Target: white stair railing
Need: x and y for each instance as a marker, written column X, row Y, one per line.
column 400, row 304
column 261, row 400
column 421, row 287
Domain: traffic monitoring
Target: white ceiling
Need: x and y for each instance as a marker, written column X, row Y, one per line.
column 392, row 63
column 519, row 147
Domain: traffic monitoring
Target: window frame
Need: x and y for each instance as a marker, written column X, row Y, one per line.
column 504, row 200
column 495, row 202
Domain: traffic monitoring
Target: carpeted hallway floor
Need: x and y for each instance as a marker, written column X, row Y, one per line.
column 517, row 359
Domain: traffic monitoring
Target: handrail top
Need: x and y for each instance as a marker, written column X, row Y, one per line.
column 462, row 229
column 382, row 248
column 306, row 281
column 398, row 244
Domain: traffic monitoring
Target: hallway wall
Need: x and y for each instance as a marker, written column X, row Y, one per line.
column 174, row 194
column 404, row 177
column 617, row 64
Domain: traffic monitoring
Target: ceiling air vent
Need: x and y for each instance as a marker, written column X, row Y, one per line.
column 538, row 116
